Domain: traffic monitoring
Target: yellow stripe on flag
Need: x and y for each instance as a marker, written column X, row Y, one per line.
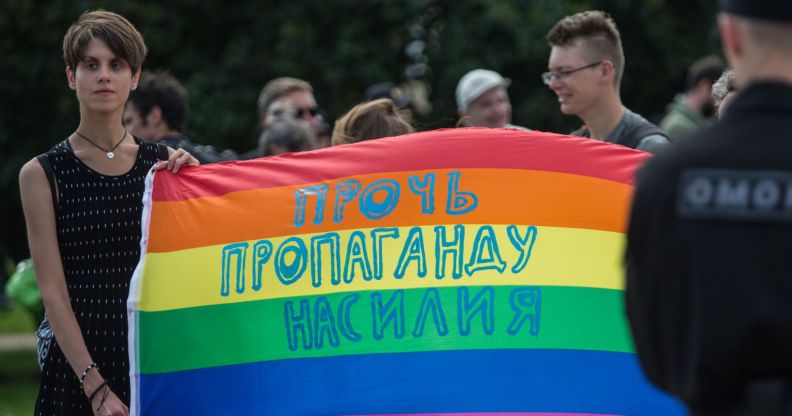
column 559, row 257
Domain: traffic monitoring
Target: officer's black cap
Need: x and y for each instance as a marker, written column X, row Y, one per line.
column 775, row 10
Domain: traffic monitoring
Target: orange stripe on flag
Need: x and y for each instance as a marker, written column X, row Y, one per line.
column 504, row 197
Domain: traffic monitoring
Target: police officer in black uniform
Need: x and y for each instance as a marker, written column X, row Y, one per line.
column 709, row 253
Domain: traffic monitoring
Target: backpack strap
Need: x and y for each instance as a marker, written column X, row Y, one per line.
column 162, row 151
column 633, row 137
column 47, row 166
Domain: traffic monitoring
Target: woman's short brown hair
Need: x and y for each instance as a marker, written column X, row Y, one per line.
column 370, row 120
column 115, row 30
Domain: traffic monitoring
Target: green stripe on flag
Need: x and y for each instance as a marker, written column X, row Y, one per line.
column 372, row 322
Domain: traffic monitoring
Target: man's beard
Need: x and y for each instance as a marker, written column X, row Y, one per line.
column 708, row 109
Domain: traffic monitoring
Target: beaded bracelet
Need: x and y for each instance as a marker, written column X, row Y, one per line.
column 85, row 373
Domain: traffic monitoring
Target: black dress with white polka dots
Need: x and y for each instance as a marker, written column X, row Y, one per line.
column 98, row 228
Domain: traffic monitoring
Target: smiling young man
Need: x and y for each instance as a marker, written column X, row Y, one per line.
column 585, row 70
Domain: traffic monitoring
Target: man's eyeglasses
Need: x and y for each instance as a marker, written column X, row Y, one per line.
column 547, row 77
column 301, row 112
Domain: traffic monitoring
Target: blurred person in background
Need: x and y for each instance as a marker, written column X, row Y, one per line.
column 285, row 135
column 300, row 98
column 370, row 120
column 694, row 109
column 157, row 112
column 482, row 100
column 393, row 93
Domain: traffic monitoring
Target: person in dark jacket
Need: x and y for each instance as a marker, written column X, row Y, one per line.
column 694, row 108
column 709, row 252
column 157, row 112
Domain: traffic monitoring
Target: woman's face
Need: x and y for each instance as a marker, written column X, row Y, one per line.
column 102, row 80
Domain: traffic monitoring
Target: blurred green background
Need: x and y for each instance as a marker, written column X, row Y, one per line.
column 224, row 52
column 19, row 373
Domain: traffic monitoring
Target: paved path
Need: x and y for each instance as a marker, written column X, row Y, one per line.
column 15, row 342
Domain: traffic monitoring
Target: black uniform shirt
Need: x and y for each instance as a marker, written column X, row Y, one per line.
column 204, row 153
column 709, row 254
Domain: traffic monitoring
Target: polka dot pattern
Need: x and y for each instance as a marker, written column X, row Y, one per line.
column 98, row 228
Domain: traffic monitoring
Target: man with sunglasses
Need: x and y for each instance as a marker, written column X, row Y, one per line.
column 585, row 70
column 295, row 95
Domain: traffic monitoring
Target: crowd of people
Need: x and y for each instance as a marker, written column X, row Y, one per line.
column 586, row 65
column 708, row 240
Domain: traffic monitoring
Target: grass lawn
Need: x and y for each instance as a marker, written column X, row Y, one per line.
column 16, row 320
column 19, row 373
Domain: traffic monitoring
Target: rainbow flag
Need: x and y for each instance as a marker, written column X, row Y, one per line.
column 460, row 271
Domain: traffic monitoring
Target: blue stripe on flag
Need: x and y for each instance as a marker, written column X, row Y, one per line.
column 427, row 382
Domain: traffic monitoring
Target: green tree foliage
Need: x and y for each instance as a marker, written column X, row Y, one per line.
column 225, row 51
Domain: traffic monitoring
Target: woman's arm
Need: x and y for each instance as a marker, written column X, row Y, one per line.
column 43, row 241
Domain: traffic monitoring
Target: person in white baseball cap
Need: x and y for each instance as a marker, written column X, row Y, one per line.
column 482, row 100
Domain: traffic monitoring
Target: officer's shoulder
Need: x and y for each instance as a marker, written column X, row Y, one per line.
column 663, row 166
column 663, row 169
